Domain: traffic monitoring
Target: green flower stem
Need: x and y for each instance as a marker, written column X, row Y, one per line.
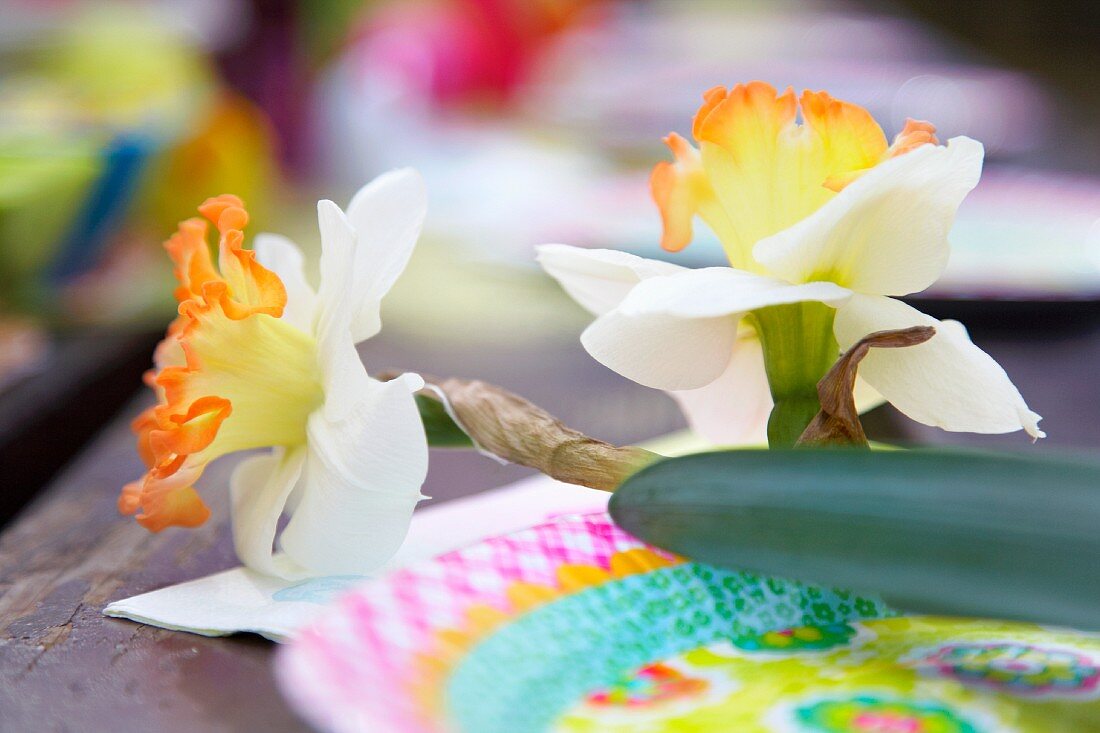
column 788, row 420
column 799, row 348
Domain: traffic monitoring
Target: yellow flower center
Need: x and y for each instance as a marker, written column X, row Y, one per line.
column 230, row 374
column 758, row 170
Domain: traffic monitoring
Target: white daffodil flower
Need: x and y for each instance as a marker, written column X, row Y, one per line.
column 823, row 223
column 257, row 359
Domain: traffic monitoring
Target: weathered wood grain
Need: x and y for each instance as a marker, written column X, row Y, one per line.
column 65, row 667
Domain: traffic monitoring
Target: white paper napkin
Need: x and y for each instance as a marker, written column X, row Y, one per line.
column 240, row 600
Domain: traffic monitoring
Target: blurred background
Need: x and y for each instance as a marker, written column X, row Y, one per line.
column 533, row 121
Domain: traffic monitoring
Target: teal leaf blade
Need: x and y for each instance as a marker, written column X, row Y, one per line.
column 949, row 532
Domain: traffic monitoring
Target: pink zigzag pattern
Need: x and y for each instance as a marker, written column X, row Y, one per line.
column 351, row 670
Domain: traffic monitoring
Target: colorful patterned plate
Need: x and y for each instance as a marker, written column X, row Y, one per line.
column 575, row 626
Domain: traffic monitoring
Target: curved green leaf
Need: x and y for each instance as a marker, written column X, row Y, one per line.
column 955, row 532
column 441, row 430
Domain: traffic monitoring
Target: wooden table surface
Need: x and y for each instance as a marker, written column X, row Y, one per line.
column 65, row 667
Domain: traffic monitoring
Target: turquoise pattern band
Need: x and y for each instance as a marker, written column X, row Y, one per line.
column 520, row 678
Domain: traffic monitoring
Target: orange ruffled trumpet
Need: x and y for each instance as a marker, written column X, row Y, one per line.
column 228, row 320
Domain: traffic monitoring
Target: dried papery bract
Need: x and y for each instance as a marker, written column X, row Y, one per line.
column 507, row 426
column 838, row 421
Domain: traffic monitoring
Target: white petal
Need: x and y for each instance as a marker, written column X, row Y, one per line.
column 338, row 250
column 598, row 279
column 282, row 256
column 733, row 409
column 664, row 352
column 720, row 291
column 342, row 371
column 259, row 489
column 886, row 232
column 387, row 215
column 362, row 479
column 947, row 382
